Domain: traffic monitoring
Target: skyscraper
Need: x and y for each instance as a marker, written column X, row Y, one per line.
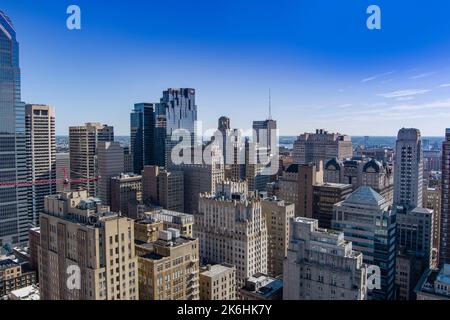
column 71, row 224
column 13, row 198
column 368, row 222
column 41, row 157
column 63, row 171
column 444, row 248
column 322, row 265
column 143, row 135
column 408, row 173
column 110, row 159
column 83, row 142
column 322, row 146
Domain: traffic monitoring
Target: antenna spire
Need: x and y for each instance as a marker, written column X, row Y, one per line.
column 270, row 105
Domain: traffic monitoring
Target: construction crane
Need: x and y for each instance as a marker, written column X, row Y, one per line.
column 65, row 181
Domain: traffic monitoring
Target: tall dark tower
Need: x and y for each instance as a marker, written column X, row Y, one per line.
column 14, row 222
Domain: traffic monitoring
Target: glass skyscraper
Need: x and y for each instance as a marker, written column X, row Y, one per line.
column 143, row 135
column 13, row 171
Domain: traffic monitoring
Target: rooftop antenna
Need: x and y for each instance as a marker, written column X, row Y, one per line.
column 270, row 105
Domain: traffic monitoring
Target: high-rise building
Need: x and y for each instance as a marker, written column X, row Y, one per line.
column 14, row 275
column 278, row 214
column 127, row 160
column 408, row 173
column 432, row 201
column 163, row 187
column 41, row 157
column 368, row 221
column 169, row 268
column 14, row 222
column 432, row 160
column 63, row 172
column 325, row 196
column 322, row 146
column 126, row 191
column 218, row 282
column 71, row 223
column 264, row 132
column 142, row 140
column 110, row 163
column 83, row 142
column 322, row 265
column 444, row 247
column 408, row 270
column 177, row 111
column 231, row 228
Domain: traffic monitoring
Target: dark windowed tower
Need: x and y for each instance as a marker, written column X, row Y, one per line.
column 444, row 249
column 13, row 197
column 143, row 135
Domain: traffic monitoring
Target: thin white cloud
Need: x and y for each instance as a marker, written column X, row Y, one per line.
column 439, row 104
column 403, row 93
column 422, row 75
column 445, row 85
column 347, row 105
column 374, row 77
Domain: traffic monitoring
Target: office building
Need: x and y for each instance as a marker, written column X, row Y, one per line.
column 110, row 163
column 71, row 223
column 432, row 201
column 63, row 172
column 142, row 137
column 309, row 175
column 218, row 282
column 321, row 146
column 262, row 287
column 408, row 173
column 34, row 245
column 127, row 160
column 83, row 143
column 322, row 265
column 408, row 270
column 146, row 230
column 369, row 222
column 14, row 275
column 126, row 191
column 444, row 247
column 14, row 222
column 169, row 268
column 265, row 133
column 434, row 284
column 231, row 228
column 325, row 196
column 173, row 219
column 278, row 214
column 163, row 187
column 41, row 157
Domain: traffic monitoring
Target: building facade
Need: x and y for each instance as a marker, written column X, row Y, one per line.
column 110, row 163
column 218, row 282
column 322, row 265
column 126, row 191
column 41, row 157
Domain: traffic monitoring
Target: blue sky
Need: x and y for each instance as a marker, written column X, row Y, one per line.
column 324, row 67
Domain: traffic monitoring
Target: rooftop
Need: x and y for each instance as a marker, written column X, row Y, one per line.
column 213, row 270
column 263, row 285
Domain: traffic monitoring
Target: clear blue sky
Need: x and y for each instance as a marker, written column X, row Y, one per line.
column 325, row 68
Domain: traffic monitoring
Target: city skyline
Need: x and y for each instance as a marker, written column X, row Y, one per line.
column 333, row 78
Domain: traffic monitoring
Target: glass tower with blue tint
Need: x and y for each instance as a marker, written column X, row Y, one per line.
column 13, row 171
column 143, row 135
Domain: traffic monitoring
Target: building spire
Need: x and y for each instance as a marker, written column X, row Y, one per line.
column 270, row 105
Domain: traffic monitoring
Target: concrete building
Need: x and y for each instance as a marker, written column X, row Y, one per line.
column 126, row 190
column 30, row 293
column 321, row 146
column 173, row 219
column 110, row 163
column 146, row 230
column 369, row 222
column 444, row 247
column 34, row 243
column 218, row 282
column 309, row 175
column 325, row 196
column 322, row 265
column 278, row 214
column 432, row 160
column 231, row 228
column 62, row 165
column 262, row 287
column 41, row 157
column 408, row 173
column 71, row 223
column 408, row 270
column 432, row 201
column 169, row 268
column 14, row 276
column 83, row 143
column 434, row 284
column 368, row 172
column 127, row 160
column 163, row 188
